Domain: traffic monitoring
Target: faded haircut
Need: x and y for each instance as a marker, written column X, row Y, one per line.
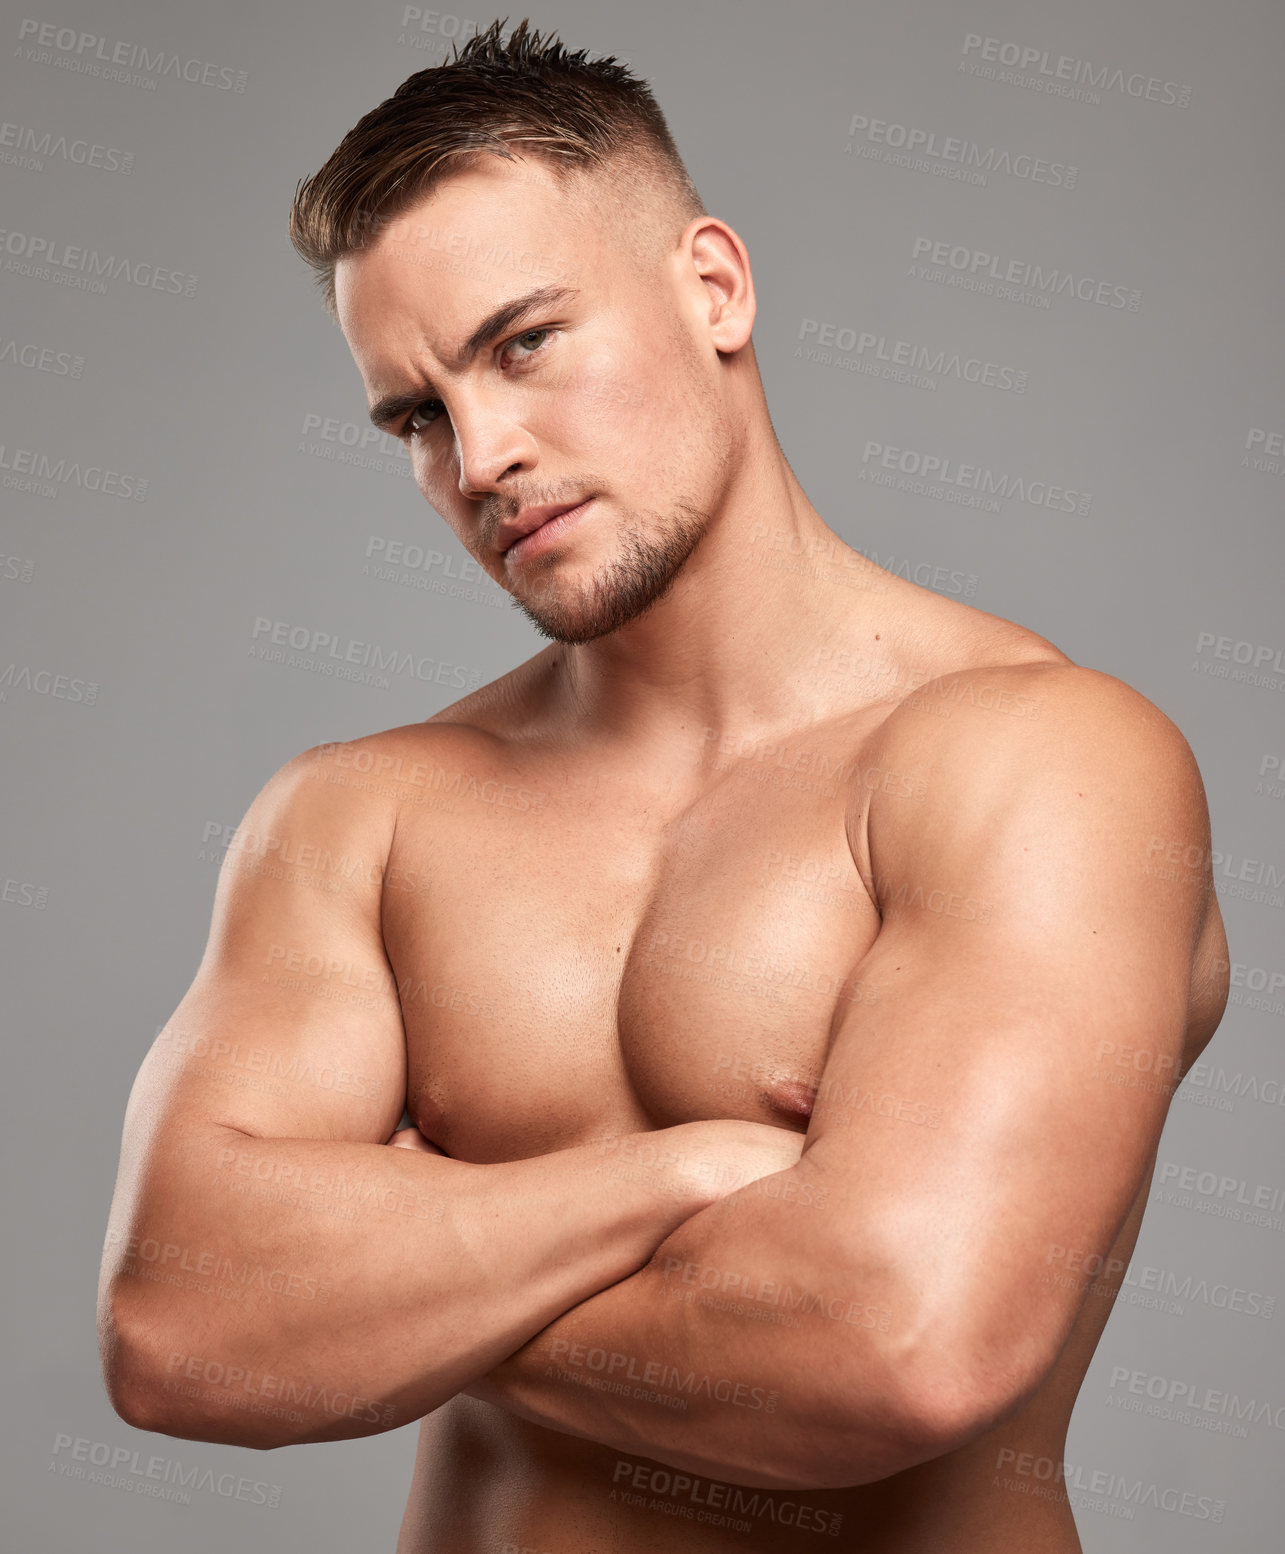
column 591, row 121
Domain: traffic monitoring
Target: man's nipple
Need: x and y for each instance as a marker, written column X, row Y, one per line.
column 792, row 1097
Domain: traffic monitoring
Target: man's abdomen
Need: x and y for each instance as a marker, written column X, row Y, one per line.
column 488, row 1483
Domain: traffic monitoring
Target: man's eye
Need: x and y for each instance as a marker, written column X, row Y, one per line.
column 530, row 342
column 529, row 336
column 424, row 414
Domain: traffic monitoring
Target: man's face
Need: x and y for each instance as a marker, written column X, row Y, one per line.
column 600, row 391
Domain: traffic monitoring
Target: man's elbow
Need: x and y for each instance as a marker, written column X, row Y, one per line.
column 872, row 1439
column 128, row 1372
column 138, row 1377
column 147, row 1400
column 144, row 1402
column 137, row 1403
column 881, row 1416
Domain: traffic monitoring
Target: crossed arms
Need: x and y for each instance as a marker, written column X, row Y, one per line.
column 832, row 1316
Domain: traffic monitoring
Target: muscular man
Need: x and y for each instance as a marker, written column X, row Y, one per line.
column 786, row 970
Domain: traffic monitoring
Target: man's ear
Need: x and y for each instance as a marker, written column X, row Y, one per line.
column 721, row 262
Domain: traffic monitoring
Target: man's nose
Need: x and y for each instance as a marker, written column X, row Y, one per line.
column 490, row 445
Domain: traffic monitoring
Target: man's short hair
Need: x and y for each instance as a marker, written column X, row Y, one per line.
column 527, row 96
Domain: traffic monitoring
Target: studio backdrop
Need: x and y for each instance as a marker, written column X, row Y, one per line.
column 1020, row 326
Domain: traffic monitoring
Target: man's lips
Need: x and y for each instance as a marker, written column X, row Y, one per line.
column 531, row 519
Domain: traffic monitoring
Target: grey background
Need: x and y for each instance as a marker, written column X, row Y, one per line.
column 108, row 854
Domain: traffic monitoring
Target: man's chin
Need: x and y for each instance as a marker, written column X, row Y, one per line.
column 576, row 609
column 586, row 614
column 573, row 628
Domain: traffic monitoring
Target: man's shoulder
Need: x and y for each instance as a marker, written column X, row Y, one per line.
column 366, row 781
column 482, row 721
column 1040, row 702
column 986, row 745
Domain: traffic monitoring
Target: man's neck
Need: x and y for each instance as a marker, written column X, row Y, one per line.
column 741, row 642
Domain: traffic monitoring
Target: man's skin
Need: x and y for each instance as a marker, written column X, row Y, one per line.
column 787, row 984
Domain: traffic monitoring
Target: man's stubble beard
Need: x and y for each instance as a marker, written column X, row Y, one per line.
column 637, row 577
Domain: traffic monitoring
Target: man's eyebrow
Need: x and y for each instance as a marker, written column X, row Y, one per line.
column 393, row 406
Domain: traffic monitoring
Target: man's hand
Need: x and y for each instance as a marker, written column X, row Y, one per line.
column 727, row 1153
column 412, row 1138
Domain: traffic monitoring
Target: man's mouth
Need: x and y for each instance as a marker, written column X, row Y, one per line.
column 538, row 527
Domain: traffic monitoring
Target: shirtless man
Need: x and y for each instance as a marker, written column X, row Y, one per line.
column 786, row 971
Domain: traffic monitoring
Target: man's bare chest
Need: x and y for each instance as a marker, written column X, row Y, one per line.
column 582, row 959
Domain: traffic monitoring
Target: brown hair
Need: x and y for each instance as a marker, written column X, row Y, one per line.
column 573, row 113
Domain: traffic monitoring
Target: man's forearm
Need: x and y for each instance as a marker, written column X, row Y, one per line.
column 730, row 1354
column 271, row 1291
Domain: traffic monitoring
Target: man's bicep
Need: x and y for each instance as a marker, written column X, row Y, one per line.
column 292, row 1025
column 969, row 1115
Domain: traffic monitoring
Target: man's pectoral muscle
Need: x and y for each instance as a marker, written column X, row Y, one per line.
column 884, row 1300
